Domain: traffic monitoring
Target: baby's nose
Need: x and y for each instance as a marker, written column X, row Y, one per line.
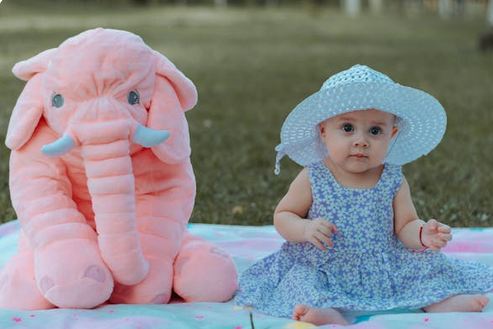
column 360, row 142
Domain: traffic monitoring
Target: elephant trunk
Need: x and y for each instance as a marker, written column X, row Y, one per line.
column 111, row 185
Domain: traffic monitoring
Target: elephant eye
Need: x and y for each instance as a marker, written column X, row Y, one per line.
column 133, row 98
column 57, row 100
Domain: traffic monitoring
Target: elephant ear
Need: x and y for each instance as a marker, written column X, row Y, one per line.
column 173, row 94
column 29, row 107
column 25, row 70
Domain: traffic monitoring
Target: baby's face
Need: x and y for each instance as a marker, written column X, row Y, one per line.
column 358, row 141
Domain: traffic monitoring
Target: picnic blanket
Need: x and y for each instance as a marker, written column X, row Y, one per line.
column 246, row 244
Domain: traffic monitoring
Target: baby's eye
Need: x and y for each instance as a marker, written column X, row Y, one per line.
column 375, row 130
column 347, row 127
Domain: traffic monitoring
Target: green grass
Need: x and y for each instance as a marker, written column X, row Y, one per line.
column 253, row 66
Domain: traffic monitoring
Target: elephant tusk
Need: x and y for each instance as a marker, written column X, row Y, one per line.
column 149, row 137
column 59, row 147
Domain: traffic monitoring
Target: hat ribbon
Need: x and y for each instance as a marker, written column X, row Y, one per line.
column 280, row 154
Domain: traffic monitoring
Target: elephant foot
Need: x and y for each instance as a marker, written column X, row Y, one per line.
column 71, row 274
column 18, row 288
column 203, row 273
column 155, row 289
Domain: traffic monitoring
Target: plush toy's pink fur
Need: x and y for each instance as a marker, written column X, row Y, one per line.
column 106, row 218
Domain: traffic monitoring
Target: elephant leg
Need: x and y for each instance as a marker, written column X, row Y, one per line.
column 70, row 272
column 203, row 272
column 18, row 288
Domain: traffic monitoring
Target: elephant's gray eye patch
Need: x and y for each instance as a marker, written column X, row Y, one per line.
column 57, row 100
column 133, row 98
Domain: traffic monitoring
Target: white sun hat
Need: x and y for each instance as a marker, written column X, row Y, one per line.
column 421, row 119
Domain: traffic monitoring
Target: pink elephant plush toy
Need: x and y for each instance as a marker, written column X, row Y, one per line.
column 102, row 183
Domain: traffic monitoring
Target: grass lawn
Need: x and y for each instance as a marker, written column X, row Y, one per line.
column 253, row 66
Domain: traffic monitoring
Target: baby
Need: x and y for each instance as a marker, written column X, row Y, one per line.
column 354, row 239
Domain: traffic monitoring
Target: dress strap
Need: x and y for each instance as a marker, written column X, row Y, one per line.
column 320, row 177
column 394, row 177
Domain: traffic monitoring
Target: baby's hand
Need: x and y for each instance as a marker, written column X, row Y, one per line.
column 435, row 235
column 319, row 231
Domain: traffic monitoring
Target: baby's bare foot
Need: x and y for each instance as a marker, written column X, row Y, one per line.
column 460, row 303
column 318, row 316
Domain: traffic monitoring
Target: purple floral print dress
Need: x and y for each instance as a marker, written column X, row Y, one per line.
column 368, row 269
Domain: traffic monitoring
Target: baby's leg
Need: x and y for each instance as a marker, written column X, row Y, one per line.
column 459, row 303
column 318, row 316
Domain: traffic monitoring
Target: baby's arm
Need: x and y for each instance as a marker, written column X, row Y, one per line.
column 290, row 213
column 434, row 235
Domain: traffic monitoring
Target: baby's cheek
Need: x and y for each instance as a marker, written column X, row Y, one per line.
column 383, row 147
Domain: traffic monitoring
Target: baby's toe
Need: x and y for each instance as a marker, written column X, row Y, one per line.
column 483, row 301
column 299, row 311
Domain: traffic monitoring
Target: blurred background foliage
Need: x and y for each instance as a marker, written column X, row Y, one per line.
column 254, row 60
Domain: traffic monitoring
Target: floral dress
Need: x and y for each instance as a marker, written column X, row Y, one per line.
column 368, row 269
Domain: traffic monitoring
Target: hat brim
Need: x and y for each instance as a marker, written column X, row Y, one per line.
column 422, row 120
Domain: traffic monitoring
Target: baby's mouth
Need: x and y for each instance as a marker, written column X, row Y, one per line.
column 359, row 156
